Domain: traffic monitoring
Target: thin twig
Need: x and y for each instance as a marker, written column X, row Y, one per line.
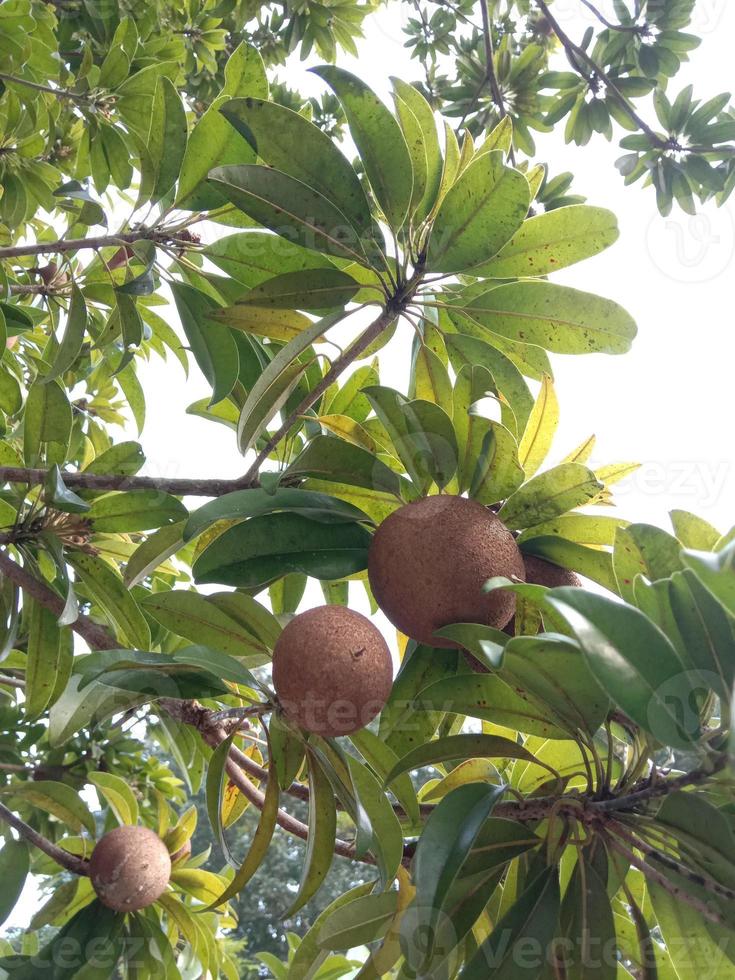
column 77, row 865
column 680, row 894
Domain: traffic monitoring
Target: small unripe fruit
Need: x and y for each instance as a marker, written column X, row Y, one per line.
column 429, row 561
column 129, row 868
column 332, row 671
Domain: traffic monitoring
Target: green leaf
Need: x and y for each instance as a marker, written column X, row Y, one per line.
column 135, row 510
column 480, row 213
column 272, row 389
column 359, row 922
column 213, row 142
column 553, row 671
column 213, row 794
column 327, row 458
column 717, row 572
column 71, row 343
column 167, row 138
column 14, row 867
column 310, row 289
column 49, row 660
column 153, row 552
column 287, row 751
column 381, row 758
column 118, row 795
column 532, row 918
column 464, row 350
column 540, row 428
column 587, row 923
column 694, row 952
column 211, row 343
column 641, row 549
column 290, row 208
column 693, row 531
column 107, row 591
column 422, row 433
column 551, row 241
column 308, row 957
column 95, row 929
column 46, row 424
column 556, row 318
column 592, row 563
column 706, row 629
column 204, row 660
column 56, row 799
column 431, row 379
column 483, row 642
column 257, row 502
column 387, row 836
column 379, row 142
column 252, row 554
column 287, row 141
column 252, row 257
column 460, row 747
column 447, row 839
column 59, row 496
column 260, row 842
column 550, row 494
column 498, row 842
column 322, row 835
column 195, row 617
column 634, row 662
column 490, row 698
column 424, row 115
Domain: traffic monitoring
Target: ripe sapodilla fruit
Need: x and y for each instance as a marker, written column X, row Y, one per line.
column 129, row 868
column 428, row 563
column 332, row 671
column 541, row 572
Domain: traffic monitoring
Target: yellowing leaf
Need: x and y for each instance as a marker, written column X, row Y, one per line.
column 540, row 428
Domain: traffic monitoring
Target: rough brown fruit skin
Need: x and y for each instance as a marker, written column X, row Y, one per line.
column 332, row 671
column 428, row 563
column 129, row 868
column 540, row 572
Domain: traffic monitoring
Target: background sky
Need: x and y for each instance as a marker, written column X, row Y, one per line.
column 667, row 405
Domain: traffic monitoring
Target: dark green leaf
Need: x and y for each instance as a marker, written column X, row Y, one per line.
column 252, row 554
column 211, row 343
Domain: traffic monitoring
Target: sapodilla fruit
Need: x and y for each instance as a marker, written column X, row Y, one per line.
column 428, row 563
column 332, row 671
column 541, row 572
column 129, row 868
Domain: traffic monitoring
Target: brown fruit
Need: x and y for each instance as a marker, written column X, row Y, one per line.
column 540, row 572
column 129, row 868
column 332, row 670
column 429, row 561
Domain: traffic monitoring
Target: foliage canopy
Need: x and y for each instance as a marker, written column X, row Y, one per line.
column 550, row 801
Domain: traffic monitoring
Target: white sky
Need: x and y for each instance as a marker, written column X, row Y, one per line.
column 668, row 404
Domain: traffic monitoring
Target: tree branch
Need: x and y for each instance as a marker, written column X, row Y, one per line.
column 622, row 28
column 492, row 77
column 183, row 487
column 59, row 93
column 77, row 865
column 96, row 242
column 574, row 51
